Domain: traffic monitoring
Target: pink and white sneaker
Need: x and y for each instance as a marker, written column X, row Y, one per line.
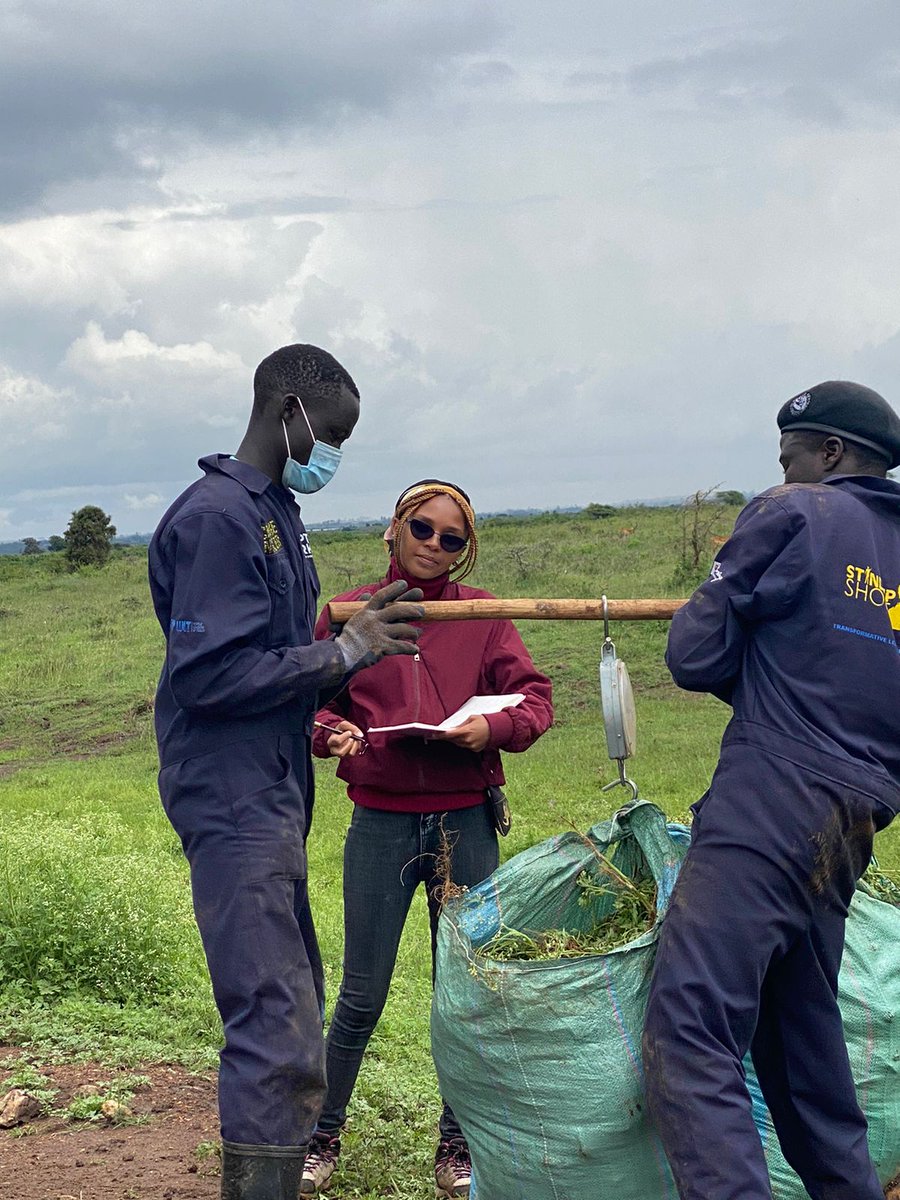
column 452, row 1169
column 321, row 1159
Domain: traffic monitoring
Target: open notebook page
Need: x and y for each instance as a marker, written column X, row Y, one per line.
column 474, row 706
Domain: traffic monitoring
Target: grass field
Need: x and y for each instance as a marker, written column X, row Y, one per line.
column 98, row 953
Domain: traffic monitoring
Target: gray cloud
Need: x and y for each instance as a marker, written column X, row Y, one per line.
column 819, row 70
column 489, row 72
column 566, row 260
column 91, row 88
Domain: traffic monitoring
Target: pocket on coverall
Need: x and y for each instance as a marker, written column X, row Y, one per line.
column 244, row 805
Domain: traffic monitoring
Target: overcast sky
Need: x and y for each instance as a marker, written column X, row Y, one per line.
column 570, row 251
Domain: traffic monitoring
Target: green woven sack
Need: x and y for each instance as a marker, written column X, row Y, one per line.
column 869, row 996
column 540, row 1060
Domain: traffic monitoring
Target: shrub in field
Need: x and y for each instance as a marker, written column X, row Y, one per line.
column 83, row 909
column 88, row 538
column 700, row 515
column 23, row 1074
column 598, row 512
column 108, row 1100
column 731, row 496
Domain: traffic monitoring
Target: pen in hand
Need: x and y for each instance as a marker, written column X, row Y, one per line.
column 357, row 737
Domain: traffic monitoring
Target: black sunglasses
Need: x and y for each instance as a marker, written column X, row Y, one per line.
column 451, row 543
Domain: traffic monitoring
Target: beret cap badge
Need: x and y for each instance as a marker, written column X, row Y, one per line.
column 800, row 403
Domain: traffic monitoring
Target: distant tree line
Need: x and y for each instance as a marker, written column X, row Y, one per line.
column 89, row 537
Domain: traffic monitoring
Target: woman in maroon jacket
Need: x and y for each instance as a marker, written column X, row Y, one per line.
column 407, row 790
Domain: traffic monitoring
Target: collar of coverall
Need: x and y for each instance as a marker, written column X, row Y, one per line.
column 254, row 480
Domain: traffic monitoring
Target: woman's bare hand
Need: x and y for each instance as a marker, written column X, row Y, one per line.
column 473, row 734
column 345, row 744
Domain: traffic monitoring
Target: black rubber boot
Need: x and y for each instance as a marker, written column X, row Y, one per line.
column 261, row 1172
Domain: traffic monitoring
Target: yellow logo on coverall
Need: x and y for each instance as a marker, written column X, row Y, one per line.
column 272, row 542
column 862, row 583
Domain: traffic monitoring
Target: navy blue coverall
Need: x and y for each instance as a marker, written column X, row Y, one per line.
column 235, row 591
column 798, row 628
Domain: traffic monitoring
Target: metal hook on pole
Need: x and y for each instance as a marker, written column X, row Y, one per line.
column 622, row 781
column 605, row 603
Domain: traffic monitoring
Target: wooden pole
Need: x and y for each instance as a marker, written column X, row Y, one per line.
column 528, row 610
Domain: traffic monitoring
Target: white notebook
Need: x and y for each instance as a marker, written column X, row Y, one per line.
column 474, row 706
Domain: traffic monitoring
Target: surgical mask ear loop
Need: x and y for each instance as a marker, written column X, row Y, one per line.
column 306, row 419
column 308, row 426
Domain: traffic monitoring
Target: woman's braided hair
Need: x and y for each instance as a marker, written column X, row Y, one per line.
column 417, row 493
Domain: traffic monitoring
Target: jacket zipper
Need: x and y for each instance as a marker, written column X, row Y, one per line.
column 417, row 689
column 417, row 707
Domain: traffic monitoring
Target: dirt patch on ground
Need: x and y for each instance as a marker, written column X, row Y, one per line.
column 163, row 1155
column 154, row 1154
column 76, row 746
column 73, row 746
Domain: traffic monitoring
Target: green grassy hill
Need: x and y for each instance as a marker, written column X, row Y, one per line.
column 98, row 954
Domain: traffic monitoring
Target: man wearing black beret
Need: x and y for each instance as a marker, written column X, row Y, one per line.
column 861, row 421
column 798, row 629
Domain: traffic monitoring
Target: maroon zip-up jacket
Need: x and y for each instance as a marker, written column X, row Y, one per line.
column 456, row 660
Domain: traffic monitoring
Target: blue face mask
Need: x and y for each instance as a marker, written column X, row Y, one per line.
column 323, row 462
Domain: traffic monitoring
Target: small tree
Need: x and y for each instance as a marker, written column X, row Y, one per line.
column 698, row 517
column 730, row 496
column 31, row 546
column 88, row 538
column 700, row 514
column 56, row 543
column 598, row 511
column 529, row 558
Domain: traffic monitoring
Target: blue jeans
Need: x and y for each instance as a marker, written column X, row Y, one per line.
column 386, row 856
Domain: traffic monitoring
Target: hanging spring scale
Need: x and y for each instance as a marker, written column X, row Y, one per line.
column 617, row 703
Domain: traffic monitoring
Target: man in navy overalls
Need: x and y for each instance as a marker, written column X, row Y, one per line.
column 235, row 590
column 798, row 628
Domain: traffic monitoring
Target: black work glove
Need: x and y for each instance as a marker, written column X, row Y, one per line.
column 382, row 626
column 336, row 627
